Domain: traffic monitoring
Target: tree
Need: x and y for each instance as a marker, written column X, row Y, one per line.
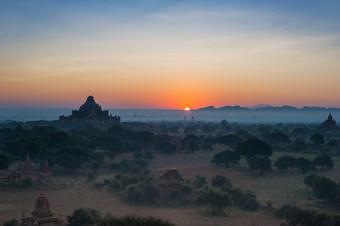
column 111, row 155
column 259, row 162
column 221, row 182
column 324, row 219
column 285, row 162
column 276, row 137
column 304, row 165
column 317, row 139
column 308, row 181
column 84, row 217
column 324, row 188
column 216, row 198
column 323, row 160
column 226, row 158
column 109, row 220
column 72, row 157
column 5, row 160
column 294, row 215
column 230, row 139
column 254, row 147
column 95, row 165
column 13, row 222
column 200, row 181
column 299, row 144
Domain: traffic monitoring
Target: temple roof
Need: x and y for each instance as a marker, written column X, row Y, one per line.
column 42, row 207
column 90, row 103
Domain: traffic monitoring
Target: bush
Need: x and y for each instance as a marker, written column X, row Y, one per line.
column 217, row 199
column 83, row 217
column 26, row 183
column 251, row 204
column 115, row 185
column 240, row 197
column 133, row 220
column 89, row 177
column 200, row 181
column 221, row 182
column 308, row 181
column 146, row 193
column 13, row 222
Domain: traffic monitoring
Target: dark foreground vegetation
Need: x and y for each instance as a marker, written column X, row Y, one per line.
column 125, row 153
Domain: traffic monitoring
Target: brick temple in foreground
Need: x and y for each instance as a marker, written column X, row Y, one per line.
column 42, row 215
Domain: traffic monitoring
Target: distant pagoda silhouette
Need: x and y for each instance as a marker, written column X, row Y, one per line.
column 329, row 124
column 25, row 171
column 90, row 113
column 42, row 215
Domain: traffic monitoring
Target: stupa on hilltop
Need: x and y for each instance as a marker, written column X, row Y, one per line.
column 90, row 113
column 41, row 215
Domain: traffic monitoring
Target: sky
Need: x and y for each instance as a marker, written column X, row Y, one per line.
column 169, row 54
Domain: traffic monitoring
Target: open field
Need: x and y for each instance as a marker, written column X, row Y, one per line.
column 67, row 193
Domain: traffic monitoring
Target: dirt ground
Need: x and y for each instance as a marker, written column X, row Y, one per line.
column 66, row 193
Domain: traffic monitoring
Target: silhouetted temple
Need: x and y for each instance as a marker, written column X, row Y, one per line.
column 90, row 113
column 28, row 171
column 25, row 171
column 329, row 124
column 42, row 215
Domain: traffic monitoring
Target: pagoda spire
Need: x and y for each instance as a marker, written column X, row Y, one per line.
column 42, row 194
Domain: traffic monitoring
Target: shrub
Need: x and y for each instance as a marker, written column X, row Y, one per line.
column 251, row 204
column 221, row 182
column 13, row 222
column 200, row 181
column 115, row 185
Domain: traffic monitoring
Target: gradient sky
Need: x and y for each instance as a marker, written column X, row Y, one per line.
column 169, row 54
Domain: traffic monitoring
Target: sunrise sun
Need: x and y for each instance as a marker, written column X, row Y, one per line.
column 187, row 109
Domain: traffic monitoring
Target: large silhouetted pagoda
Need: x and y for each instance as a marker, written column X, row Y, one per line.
column 91, row 113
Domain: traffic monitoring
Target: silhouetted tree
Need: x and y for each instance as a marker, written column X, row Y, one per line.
column 332, row 143
column 276, row 137
column 299, row 144
column 254, row 147
column 84, row 217
column 216, row 198
column 5, row 160
column 308, row 181
column 259, row 162
column 304, row 165
column 72, row 157
column 294, row 215
column 324, row 161
column 317, row 139
column 324, row 188
column 13, row 222
column 133, row 220
column 200, row 181
column 226, row 158
column 230, row 139
column 285, row 162
column 221, row 182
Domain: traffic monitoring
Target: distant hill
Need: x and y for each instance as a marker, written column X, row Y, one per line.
column 266, row 108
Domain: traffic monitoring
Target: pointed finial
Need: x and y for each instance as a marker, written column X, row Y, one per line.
column 42, row 192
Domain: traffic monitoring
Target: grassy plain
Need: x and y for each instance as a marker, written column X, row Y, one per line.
column 67, row 193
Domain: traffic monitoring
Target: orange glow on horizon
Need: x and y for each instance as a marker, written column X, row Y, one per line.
column 187, row 109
